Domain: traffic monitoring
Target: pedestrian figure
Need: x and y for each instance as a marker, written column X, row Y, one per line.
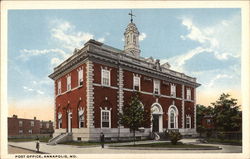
column 102, row 139
column 37, row 146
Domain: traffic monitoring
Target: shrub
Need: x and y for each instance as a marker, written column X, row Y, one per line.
column 174, row 136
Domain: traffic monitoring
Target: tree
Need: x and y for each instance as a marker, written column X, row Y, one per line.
column 133, row 114
column 227, row 116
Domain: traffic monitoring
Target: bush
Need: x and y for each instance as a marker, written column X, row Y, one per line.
column 174, row 136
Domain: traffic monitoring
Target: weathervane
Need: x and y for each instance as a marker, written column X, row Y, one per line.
column 131, row 14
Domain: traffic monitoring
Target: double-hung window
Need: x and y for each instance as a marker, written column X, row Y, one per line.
column 80, row 77
column 173, row 90
column 105, row 116
column 188, row 94
column 156, row 87
column 20, row 123
column 32, row 123
column 136, row 83
column 105, row 77
column 59, row 87
column 68, row 83
column 188, row 122
column 81, row 118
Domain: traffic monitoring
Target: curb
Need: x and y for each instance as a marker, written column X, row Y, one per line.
column 160, row 148
column 41, row 152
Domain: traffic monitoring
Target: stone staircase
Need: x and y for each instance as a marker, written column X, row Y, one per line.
column 60, row 138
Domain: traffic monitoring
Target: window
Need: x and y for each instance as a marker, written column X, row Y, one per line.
column 59, row 88
column 105, row 117
column 208, row 121
column 173, row 90
column 59, row 123
column 81, row 118
column 188, row 122
column 32, row 123
column 173, row 118
column 137, row 83
column 80, row 77
column 134, row 39
column 47, row 125
column 20, row 131
column 30, row 131
column 188, row 94
column 156, row 87
column 41, row 125
column 20, row 123
column 105, row 77
column 68, row 83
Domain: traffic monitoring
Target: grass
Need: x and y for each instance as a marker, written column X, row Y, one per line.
column 230, row 142
column 165, row 145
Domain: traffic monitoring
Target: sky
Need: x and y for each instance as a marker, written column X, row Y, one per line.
column 202, row 43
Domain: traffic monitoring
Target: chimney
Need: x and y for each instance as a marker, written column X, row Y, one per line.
column 14, row 116
column 34, row 118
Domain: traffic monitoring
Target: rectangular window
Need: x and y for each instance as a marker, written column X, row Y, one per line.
column 137, row 83
column 81, row 121
column 188, row 94
column 105, row 118
column 30, row 131
column 60, row 123
column 188, row 122
column 68, row 83
column 20, row 123
column 80, row 77
column 32, row 123
column 105, row 77
column 59, row 88
column 41, row 125
column 173, row 90
column 208, row 122
column 156, row 87
column 47, row 125
column 20, row 131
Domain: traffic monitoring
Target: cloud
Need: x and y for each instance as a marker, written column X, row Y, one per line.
column 102, row 40
column 65, row 33
column 27, row 89
column 217, row 77
column 142, row 36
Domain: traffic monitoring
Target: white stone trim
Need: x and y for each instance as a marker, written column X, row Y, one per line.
column 160, row 113
column 194, row 108
column 120, row 90
column 90, row 95
column 176, row 116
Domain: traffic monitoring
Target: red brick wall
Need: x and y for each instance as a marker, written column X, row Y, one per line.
column 13, row 126
column 189, row 110
column 73, row 97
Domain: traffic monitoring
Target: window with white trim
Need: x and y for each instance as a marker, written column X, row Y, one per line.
column 80, row 77
column 105, row 119
column 105, row 77
column 173, row 90
column 20, row 123
column 47, row 125
column 59, row 87
column 188, row 94
column 41, row 125
column 81, row 118
column 156, row 87
column 30, row 131
column 68, row 83
column 59, row 120
column 188, row 122
column 137, row 82
column 20, row 131
column 32, row 123
column 173, row 119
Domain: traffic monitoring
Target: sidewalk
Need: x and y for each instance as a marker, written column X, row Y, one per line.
column 70, row 149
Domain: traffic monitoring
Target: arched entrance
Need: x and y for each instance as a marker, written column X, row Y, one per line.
column 156, row 116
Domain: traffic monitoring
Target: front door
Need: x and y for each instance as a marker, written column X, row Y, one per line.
column 155, row 123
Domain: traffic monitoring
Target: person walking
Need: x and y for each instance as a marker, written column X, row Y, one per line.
column 102, row 139
column 37, row 145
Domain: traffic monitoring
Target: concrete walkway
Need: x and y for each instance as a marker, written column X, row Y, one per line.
column 70, row 149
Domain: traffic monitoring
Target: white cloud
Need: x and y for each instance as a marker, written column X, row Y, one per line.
column 65, row 33
column 217, row 77
column 55, row 61
column 102, row 40
column 28, row 89
column 142, row 36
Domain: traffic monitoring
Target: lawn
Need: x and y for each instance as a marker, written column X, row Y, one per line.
column 230, row 142
column 165, row 145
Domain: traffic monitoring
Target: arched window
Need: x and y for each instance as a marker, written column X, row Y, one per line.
column 59, row 120
column 134, row 39
column 81, row 117
column 173, row 117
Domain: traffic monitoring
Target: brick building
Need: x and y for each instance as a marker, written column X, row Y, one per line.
column 93, row 85
column 28, row 127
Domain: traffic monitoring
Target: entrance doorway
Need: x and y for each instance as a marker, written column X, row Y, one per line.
column 155, row 123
